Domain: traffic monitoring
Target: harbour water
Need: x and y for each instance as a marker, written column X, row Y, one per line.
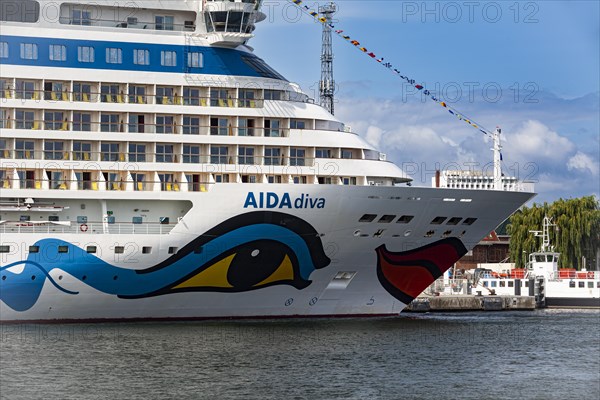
column 543, row 354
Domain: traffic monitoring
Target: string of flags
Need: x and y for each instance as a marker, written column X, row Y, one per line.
column 306, row 9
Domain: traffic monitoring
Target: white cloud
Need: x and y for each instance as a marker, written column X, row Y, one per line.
column 583, row 162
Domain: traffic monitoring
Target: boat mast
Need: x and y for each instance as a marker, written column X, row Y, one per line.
column 327, row 85
column 497, row 159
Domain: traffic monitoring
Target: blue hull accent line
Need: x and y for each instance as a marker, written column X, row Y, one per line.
column 216, row 61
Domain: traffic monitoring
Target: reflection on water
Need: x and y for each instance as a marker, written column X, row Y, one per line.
column 545, row 354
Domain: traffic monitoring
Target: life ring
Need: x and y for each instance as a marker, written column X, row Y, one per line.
column 83, row 227
column 590, row 274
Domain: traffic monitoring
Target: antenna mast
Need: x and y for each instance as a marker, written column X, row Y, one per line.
column 497, row 159
column 327, row 85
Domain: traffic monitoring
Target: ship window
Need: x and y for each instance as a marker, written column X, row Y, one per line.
column 165, row 124
column 349, row 180
column 54, row 150
column 85, row 54
column 430, row 233
column 119, row 249
column 453, row 221
column 323, row 153
column 141, row 57
column 82, row 219
column 368, row 218
column 3, row 50
column 218, row 126
column 191, row 97
column 24, row 218
column 511, row 284
column 297, row 124
column 172, row 250
column 168, row 58
column 163, row 220
column 246, row 127
column 191, row 154
column 91, row 249
column 469, row 221
column 598, row 284
column 273, row 94
column 571, row 284
column 34, row 249
column 347, row 154
column 218, row 154
column 438, row 220
column 136, row 220
column 19, row 11
column 163, row 22
column 29, row 51
column 299, row 179
column 246, row 155
column 4, row 249
column 191, row 126
column 114, row 55
column 590, row 285
column 386, row 219
column 194, row 60
column 260, row 67
column 63, row 249
column 581, row 284
column 146, row 250
column 297, row 157
column 137, row 152
column 405, row 219
column 53, row 218
column 494, row 283
column 58, row 52
column 273, row 156
column 81, row 17
column 272, row 128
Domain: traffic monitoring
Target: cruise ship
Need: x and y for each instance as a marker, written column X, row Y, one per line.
column 153, row 167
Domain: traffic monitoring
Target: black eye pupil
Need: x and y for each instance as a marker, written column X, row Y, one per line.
column 256, row 261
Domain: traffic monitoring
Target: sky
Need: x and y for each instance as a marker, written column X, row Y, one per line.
column 530, row 67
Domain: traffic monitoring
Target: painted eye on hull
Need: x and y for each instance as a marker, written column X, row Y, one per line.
column 249, row 266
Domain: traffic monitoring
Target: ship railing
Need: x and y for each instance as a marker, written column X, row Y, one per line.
column 120, row 96
column 120, row 125
column 86, row 228
column 443, row 286
column 571, row 273
column 128, row 23
column 227, row 158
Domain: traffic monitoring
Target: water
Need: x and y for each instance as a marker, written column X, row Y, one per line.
column 547, row 354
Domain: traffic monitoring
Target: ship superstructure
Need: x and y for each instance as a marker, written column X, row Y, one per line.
column 152, row 166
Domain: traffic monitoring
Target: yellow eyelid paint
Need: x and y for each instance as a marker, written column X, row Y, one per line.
column 213, row 276
column 285, row 272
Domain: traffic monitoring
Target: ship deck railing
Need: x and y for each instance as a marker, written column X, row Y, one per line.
column 86, row 228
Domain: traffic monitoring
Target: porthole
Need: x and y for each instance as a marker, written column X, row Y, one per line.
column 407, row 233
column 386, row 219
column 438, row 220
column 115, row 278
column 405, row 219
column 368, row 218
column 33, row 277
column 3, row 277
column 83, row 278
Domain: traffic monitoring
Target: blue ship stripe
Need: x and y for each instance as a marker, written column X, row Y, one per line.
column 216, row 61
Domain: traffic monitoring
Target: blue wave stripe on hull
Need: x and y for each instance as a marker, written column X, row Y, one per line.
column 216, row 61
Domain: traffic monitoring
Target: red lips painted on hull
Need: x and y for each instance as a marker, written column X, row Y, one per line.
column 406, row 274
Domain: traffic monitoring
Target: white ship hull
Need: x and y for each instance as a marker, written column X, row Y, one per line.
column 59, row 290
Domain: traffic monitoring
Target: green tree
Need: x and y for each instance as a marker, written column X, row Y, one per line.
column 576, row 234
